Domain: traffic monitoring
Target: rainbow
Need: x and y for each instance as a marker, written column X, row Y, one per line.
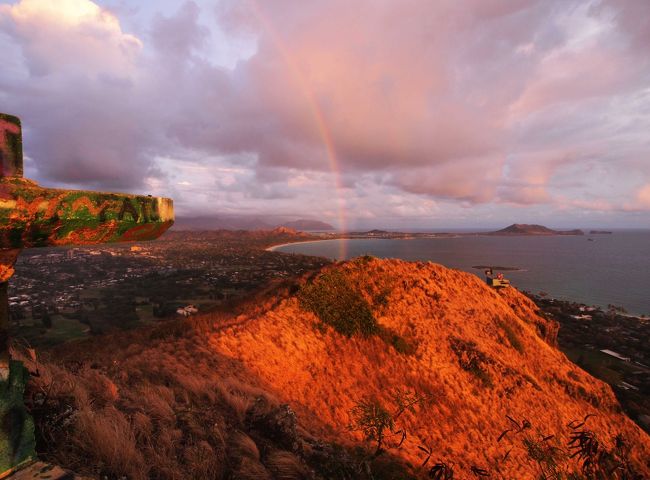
column 316, row 111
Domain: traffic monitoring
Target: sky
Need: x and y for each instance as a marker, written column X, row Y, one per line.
column 372, row 113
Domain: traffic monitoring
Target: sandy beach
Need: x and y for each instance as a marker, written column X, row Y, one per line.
column 272, row 248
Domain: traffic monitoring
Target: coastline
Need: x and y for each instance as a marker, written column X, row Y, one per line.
column 636, row 310
column 272, row 248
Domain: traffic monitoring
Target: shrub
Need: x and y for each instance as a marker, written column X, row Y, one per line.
column 364, row 259
column 595, row 460
column 336, row 302
column 372, row 419
column 399, row 343
column 381, row 298
column 472, row 360
column 511, row 335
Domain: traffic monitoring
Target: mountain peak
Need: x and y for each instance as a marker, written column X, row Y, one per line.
column 533, row 229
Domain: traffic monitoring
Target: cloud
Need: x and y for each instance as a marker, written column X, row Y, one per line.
column 74, row 35
column 479, row 102
column 178, row 36
column 78, row 92
column 641, row 202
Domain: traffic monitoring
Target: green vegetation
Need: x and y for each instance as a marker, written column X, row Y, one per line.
column 17, row 442
column 511, row 335
column 584, row 456
column 62, row 329
column 472, row 360
column 377, row 423
column 399, row 343
column 335, row 300
column 338, row 302
column 596, row 461
column 374, row 420
column 598, row 364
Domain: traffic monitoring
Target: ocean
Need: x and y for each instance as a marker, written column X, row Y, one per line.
column 611, row 269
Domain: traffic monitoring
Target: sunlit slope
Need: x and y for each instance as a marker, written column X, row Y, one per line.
column 479, row 354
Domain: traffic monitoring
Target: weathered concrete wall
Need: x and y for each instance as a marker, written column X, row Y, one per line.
column 17, row 442
column 11, row 146
column 31, row 216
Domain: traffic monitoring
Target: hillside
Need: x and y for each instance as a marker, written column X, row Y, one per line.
column 527, row 229
column 270, row 392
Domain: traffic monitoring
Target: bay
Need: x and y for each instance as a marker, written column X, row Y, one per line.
column 610, row 269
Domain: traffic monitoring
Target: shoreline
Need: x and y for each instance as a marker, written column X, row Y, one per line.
column 273, row 248
column 558, row 298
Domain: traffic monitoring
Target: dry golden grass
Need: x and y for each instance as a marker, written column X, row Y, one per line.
column 285, row 466
column 172, row 402
column 323, row 374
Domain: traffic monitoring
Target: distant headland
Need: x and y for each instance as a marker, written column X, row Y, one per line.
column 516, row 229
column 528, row 229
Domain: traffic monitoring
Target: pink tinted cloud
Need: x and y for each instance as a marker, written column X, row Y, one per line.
column 69, row 34
column 641, row 202
column 482, row 101
column 434, row 94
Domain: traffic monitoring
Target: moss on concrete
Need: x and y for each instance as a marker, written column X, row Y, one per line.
column 17, row 442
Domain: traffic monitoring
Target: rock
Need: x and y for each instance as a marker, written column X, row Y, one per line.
column 277, row 423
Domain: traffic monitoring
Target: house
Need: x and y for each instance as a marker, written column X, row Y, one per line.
column 192, row 309
column 187, row 310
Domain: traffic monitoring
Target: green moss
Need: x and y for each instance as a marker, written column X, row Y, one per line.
column 34, row 226
column 17, row 442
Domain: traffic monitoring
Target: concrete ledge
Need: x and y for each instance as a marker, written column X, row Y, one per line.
column 41, row 470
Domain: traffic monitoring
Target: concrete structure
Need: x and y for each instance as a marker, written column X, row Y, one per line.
column 33, row 216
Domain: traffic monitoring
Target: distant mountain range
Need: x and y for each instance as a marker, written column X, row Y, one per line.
column 528, row 229
column 308, row 225
column 221, row 223
column 254, row 222
column 243, row 222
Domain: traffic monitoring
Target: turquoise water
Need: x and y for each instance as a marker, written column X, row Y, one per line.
column 612, row 269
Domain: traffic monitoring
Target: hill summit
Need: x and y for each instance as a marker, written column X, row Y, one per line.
column 531, row 229
column 370, row 368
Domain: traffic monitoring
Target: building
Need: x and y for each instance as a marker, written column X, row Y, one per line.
column 187, row 311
